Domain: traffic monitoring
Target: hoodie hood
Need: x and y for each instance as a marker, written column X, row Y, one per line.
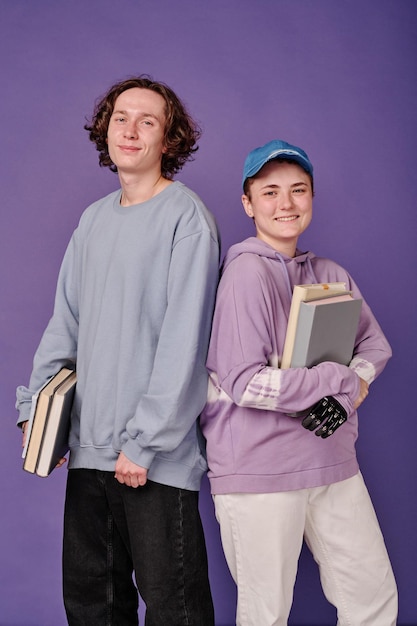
column 261, row 248
column 253, row 245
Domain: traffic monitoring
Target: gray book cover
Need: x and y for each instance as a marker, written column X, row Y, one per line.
column 326, row 331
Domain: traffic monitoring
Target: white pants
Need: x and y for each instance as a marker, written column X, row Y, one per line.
column 262, row 536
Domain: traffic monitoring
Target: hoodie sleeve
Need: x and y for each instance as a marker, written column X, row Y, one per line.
column 372, row 350
column 247, row 340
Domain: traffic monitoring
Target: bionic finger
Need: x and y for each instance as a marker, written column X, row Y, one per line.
column 332, row 424
column 312, row 421
column 327, row 416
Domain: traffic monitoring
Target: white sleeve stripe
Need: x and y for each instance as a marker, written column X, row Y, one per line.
column 263, row 390
column 363, row 368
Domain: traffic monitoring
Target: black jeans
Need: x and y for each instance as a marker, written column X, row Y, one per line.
column 111, row 531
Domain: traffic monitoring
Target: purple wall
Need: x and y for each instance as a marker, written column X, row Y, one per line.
column 336, row 77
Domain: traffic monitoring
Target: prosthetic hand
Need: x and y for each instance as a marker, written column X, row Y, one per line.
column 327, row 415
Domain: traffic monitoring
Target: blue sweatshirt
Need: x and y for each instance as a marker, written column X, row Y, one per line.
column 133, row 310
column 253, row 446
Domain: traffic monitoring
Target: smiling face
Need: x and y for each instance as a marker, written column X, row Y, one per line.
column 135, row 136
column 280, row 201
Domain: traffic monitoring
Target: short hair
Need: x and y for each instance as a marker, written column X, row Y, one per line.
column 248, row 181
column 181, row 131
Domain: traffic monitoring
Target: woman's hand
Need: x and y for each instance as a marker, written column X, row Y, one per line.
column 363, row 392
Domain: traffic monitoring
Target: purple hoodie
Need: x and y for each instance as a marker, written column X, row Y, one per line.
column 253, row 446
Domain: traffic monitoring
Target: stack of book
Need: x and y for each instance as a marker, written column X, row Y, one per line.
column 322, row 325
column 49, row 422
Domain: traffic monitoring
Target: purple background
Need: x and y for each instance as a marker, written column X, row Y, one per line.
column 338, row 77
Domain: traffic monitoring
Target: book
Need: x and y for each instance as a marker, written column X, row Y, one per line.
column 306, row 293
column 55, row 439
column 40, row 409
column 30, row 420
column 326, row 331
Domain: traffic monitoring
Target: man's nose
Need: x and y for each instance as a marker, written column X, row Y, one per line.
column 131, row 131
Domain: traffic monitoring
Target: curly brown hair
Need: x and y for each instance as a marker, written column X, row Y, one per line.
column 181, row 131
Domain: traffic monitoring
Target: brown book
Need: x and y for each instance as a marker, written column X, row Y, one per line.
column 55, row 439
column 36, row 428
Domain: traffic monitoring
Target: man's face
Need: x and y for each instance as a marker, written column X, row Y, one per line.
column 280, row 201
column 135, row 136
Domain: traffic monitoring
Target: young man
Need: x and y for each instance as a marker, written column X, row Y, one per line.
column 275, row 482
column 133, row 311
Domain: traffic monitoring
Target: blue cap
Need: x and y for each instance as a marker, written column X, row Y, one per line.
column 275, row 149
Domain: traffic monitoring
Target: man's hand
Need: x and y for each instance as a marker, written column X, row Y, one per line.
column 327, row 416
column 24, row 435
column 128, row 473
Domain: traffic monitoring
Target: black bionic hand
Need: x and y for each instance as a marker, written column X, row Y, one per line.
column 327, row 415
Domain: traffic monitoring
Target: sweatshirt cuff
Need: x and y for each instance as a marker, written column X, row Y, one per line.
column 135, row 453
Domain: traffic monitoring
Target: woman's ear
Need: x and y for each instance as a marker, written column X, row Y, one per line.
column 247, row 205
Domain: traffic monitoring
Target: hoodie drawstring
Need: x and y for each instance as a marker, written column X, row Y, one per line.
column 310, row 267
column 287, row 277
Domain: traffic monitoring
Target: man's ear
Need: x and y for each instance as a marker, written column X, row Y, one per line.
column 247, row 205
